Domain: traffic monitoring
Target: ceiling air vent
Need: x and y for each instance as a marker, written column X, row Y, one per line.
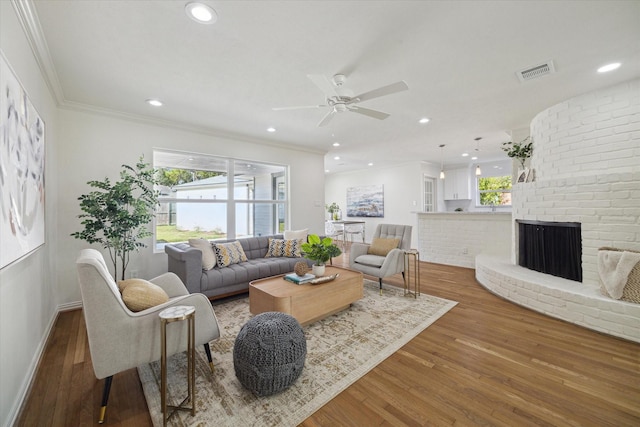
column 535, row 72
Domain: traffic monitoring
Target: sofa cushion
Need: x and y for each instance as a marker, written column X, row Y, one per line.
column 284, row 248
column 229, row 253
column 296, row 234
column 382, row 247
column 139, row 294
column 208, row 254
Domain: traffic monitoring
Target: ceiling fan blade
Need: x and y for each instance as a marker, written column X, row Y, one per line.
column 368, row 112
column 324, row 84
column 298, row 108
column 381, row 91
column 326, row 119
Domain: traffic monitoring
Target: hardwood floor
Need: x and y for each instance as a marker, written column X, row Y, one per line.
column 486, row 362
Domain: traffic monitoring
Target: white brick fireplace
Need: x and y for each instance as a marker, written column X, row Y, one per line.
column 586, row 160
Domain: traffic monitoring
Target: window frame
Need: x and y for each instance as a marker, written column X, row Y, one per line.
column 501, row 191
column 276, row 179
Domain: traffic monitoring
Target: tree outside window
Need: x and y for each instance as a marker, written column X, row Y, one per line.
column 494, row 190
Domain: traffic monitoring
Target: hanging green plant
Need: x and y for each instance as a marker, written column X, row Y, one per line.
column 519, row 150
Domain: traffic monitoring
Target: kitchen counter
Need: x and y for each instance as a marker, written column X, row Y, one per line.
column 464, row 213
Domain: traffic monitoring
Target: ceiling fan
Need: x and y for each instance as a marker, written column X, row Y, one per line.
column 339, row 100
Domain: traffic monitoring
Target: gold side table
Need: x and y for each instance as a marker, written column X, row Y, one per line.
column 170, row 315
column 411, row 257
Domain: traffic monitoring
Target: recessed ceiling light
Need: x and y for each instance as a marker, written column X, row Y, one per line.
column 609, row 67
column 154, row 102
column 465, row 154
column 327, row 170
column 201, row 13
column 474, row 158
column 424, row 120
column 271, row 129
column 369, row 164
column 336, row 144
column 336, row 158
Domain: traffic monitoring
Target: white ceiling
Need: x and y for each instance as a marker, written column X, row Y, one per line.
column 458, row 58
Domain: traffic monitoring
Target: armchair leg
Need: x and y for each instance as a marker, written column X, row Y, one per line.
column 207, row 350
column 105, row 398
column 380, row 280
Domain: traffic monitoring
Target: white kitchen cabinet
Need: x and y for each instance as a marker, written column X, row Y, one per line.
column 456, row 184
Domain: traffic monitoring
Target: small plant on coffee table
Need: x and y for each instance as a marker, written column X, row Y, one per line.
column 320, row 250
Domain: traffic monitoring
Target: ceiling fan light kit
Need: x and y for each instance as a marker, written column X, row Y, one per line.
column 338, row 101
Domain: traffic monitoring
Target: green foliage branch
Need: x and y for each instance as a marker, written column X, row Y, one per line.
column 319, row 250
column 520, row 150
column 116, row 214
column 496, row 183
column 333, row 209
column 172, row 177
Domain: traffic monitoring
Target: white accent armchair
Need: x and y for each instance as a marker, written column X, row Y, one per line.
column 382, row 266
column 120, row 339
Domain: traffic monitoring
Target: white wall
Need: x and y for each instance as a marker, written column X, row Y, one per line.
column 28, row 297
column 95, row 146
column 586, row 157
column 402, row 187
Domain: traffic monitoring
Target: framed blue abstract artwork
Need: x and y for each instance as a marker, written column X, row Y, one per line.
column 365, row 201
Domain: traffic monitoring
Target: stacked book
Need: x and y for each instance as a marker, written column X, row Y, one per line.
column 299, row 280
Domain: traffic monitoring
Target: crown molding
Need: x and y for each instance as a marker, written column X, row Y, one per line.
column 28, row 17
column 137, row 118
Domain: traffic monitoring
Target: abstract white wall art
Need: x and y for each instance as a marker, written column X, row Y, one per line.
column 365, row 201
column 21, row 170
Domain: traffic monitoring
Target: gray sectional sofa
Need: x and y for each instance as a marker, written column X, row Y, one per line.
column 186, row 262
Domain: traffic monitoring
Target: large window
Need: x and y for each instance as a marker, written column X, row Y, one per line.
column 199, row 199
column 494, row 190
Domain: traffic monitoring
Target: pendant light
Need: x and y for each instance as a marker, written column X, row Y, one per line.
column 478, row 171
column 441, row 161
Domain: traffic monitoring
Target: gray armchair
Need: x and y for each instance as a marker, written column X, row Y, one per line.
column 382, row 266
column 120, row 339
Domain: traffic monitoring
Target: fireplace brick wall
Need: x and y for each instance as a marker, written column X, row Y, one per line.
column 587, row 166
column 586, row 160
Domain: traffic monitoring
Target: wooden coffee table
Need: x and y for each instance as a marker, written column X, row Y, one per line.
column 307, row 303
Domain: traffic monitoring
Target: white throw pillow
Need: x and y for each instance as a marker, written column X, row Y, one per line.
column 296, row 234
column 208, row 255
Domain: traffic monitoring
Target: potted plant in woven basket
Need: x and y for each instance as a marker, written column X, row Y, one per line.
column 320, row 251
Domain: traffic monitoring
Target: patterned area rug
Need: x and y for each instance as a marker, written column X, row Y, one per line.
column 340, row 349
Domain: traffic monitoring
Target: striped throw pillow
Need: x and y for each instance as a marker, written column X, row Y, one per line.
column 284, row 248
column 229, row 253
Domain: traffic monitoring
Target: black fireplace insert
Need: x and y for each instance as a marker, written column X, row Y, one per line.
column 551, row 247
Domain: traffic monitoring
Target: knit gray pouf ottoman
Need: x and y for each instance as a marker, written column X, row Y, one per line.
column 269, row 353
